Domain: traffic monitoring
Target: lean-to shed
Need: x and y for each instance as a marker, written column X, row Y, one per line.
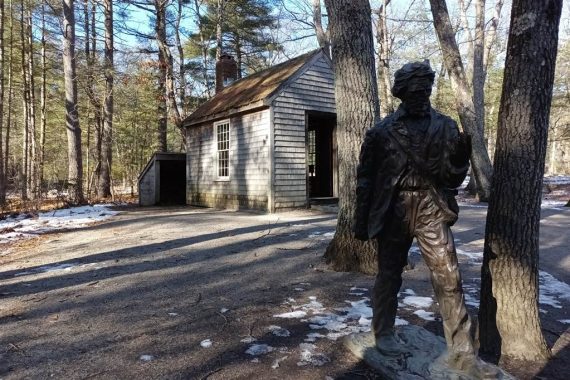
column 162, row 180
column 266, row 141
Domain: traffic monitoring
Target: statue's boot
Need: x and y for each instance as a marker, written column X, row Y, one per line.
column 473, row 367
column 389, row 344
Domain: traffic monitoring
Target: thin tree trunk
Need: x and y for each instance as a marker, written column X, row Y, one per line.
column 75, row 168
column 239, row 60
column 181, row 65
column 323, row 37
column 160, row 29
column 10, row 95
column 481, row 164
column 491, row 36
column 24, row 173
column 464, row 23
column 43, row 95
column 203, row 48
column 2, row 159
column 33, row 189
column 219, row 30
column 384, row 82
column 509, row 315
column 350, row 29
column 104, row 183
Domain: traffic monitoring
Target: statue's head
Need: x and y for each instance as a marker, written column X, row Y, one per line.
column 413, row 84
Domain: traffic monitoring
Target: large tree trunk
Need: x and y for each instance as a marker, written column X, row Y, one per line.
column 356, row 96
column 481, row 164
column 509, row 315
column 160, row 29
column 2, row 175
column 75, row 168
column 104, row 183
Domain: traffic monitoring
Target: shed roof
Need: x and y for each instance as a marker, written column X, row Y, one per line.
column 251, row 91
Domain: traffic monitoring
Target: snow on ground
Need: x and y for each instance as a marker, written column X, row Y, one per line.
column 551, row 289
column 206, row 343
column 27, row 226
column 557, row 180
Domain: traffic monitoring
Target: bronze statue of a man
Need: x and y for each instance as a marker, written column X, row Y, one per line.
column 410, row 164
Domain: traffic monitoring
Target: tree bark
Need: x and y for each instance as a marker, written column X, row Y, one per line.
column 481, row 164
column 509, row 316
column 10, row 95
column 104, row 183
column 160, row 29
column 384, row 82
column 352, row 44
column 43, row 95
column 2, row 159
column 323, row 37
column 33, row 190
column 75, row 168
column 219, row 30
column 24, row 166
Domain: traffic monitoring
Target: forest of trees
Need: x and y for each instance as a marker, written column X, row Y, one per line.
column 115, row 80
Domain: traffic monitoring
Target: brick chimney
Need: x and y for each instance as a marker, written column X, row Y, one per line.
column 226, row 71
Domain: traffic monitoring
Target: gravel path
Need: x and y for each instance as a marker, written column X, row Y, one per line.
column 181, row 293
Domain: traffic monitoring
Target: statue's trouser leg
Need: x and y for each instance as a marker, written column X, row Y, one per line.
column 393, row 245
column 438, row 249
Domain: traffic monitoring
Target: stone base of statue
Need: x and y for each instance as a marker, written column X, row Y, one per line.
column 423, row 356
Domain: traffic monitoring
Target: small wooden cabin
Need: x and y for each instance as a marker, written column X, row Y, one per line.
column 266, row 141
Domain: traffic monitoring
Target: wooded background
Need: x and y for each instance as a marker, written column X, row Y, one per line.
column 116, row 85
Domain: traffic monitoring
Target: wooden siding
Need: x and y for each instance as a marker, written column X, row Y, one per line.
column 311, row 91
column 147, row 186
column 249, row 164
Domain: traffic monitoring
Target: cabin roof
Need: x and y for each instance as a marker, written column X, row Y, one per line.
column 253, row 91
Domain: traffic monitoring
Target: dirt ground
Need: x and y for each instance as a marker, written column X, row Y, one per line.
column 138, row 296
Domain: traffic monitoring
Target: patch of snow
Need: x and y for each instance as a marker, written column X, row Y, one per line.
column 565, row 321
column 254, row 360
column 473, row 256
column 354, row 288
column 248, row 339
column 331, row 322
column 299, row 289
column 292, row 314
column 24, row 226
column 409, row 292
column 471, row 300
column 558, row 179
column 224, row 310
column 146, row 358
column 206, row 343
column 550, row 289
column 310, row 356
column 276, row 362
column 279, row 331
column 305, row 283
column 259, row 349
column 173, row 314
column 401, row 322
column 426, row 315
column 355, row 294
column 417, row 301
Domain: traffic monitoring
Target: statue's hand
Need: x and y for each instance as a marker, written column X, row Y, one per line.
column 461, row 151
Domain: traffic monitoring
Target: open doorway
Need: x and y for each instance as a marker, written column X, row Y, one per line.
column 321, row 156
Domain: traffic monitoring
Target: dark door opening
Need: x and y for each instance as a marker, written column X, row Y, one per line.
column 172, row 182
column 321, row 152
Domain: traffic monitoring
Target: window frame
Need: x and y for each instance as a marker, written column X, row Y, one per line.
column 217, row 150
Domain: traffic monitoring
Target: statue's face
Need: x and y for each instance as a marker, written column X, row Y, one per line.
column 416, row 97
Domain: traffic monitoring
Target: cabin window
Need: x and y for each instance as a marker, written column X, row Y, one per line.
column 312, row 154
column 222, row 131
